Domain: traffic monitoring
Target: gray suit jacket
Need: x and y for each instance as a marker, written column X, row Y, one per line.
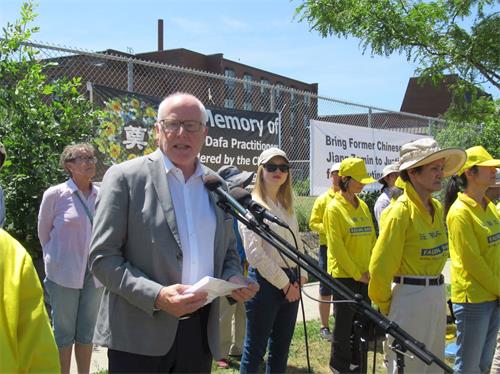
column 135, row 251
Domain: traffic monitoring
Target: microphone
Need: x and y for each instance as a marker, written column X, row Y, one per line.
column 214, row 183
column 245, row 199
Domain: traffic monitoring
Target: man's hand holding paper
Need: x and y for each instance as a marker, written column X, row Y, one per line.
column 176, row 301
column 246, row 292
column 238, row 287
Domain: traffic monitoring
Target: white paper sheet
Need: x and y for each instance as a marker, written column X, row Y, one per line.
column 214, row 287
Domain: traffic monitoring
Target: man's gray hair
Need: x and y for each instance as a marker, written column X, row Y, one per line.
column 178, row 95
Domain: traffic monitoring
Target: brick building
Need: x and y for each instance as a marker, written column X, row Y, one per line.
column 216, row 80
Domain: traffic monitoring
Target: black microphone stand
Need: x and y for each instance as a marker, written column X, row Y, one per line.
column 402, row 340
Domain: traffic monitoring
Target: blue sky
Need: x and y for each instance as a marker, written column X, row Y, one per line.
column 261, row 33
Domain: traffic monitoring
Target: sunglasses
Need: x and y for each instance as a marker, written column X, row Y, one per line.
column 271, row 168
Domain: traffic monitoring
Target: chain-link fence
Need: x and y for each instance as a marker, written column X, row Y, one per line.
column 295, row 107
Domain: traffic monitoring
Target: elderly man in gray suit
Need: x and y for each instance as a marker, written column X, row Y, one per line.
column 157, row 231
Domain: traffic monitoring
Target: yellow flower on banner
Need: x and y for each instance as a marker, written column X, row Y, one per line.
column 109, row 129
column 131, row 156
column 116, row 106
column 114, row 150
column 150, row 112
column 135, row 103
column 147, row 151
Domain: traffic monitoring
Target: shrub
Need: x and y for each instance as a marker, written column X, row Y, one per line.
column 38, row 119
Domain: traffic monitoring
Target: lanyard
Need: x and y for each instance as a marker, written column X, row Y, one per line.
column 91, row 218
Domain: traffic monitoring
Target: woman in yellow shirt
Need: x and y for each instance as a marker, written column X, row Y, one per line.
column 27, row 343
column 474, row 238
column 350, row 236
column 412, row 248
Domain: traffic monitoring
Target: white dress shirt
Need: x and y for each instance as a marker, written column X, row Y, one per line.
column 195, row 219
column 382, row 202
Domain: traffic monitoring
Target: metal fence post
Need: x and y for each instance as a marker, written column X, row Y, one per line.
column 272, row 104
column 130, row 76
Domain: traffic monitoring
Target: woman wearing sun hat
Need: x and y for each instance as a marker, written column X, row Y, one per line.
column 272, row 312
column 350, row 236
column 412, row 249
column 474, row 238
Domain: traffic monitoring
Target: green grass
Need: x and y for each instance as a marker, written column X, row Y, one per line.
column 303, row 207
column 319, row 354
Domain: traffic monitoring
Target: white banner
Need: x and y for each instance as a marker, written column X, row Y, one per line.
column 332, row 142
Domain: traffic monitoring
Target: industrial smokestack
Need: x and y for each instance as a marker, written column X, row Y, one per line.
column 160, row 35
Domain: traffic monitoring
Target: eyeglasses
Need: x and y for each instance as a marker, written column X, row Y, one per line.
column 271, row 168
column 89, row 159
column 174, row 125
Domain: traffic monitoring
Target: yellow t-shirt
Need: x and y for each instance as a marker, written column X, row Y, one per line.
column 474, row 235
column 350, row 236
column 318, row 212
column 26, row 341
column 411, row 242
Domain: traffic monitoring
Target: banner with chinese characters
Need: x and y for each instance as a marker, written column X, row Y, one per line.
column 126, row 130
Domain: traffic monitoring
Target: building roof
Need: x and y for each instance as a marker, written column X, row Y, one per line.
column 427, row 99
column 215, row 63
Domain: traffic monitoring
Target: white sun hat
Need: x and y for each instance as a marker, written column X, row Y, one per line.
column 423, row 151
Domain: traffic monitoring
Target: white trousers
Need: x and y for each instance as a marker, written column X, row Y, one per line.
column 420, row 311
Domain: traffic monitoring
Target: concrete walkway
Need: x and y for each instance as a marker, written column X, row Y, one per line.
column 100, row 358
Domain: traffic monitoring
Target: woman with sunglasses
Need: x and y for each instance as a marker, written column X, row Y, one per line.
column 64, row 230
column 474, row 239
column 350, row 236
column 272, row 312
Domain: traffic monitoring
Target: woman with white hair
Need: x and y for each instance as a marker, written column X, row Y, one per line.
column 474, row 235
column 64, row 229
column 411, row 251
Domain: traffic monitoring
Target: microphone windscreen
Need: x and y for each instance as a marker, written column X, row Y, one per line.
column 212, row 181
column 241, row 195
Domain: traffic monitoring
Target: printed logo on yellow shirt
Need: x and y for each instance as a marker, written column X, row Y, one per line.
column 436, row 251
column 431, row 234
column 360, row 230
column 493, row 238
column 489, row 223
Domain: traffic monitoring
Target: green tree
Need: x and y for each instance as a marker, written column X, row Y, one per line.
column 485, row 133
column 443, row 36
column 38, row 118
